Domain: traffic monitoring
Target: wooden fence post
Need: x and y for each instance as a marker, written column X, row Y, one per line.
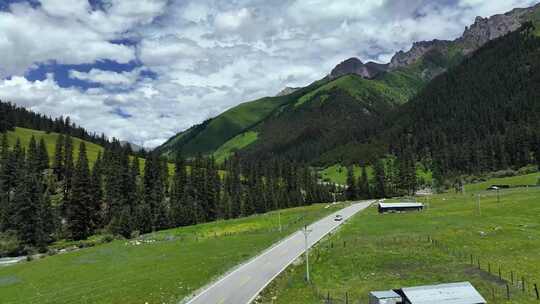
column 500, row 273
column 512, row 277
column 536, row 291
column 346, row 298
column 507, row 292
column 523, row 284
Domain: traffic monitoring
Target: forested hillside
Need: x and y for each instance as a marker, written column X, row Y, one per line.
column 46, row 196
column 55, row 185
column 12, row 116
column 482, row 115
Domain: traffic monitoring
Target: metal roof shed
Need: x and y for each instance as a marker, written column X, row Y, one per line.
column 400, row 207
column 453, row 293
column 384, row 297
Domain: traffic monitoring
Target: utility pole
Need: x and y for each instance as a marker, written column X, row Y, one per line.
column 306, row 233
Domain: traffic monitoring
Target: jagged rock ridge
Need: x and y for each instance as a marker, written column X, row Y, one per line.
column 355, row 66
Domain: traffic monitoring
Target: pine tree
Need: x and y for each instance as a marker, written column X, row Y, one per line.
column 96, row 189
column 4, row 184
column 178, row 205
column 363, row 185
column 68, row 167
column 351, row 184
column 78, row 211
column 43, row 156
column 58, row 164
column 26, row 208
column 380, row 179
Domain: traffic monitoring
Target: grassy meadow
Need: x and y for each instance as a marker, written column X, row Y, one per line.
column 236, row 143
column 163, row 267
column 92, row 150
column 24, row 135
column 338, row 173
column 381, row 252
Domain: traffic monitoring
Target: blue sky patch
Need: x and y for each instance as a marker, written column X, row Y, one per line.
column 61, row 72
column 4, row 4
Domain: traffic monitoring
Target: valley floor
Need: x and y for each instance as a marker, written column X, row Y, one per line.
column 382, row 252
column 157, row 268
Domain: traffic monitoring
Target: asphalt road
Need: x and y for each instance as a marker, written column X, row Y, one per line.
column 242, row 285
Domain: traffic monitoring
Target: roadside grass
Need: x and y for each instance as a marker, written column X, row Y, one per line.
column 162, row 267
column 381, row 252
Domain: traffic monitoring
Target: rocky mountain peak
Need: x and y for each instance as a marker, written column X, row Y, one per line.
column 356, row 66
column 418, row 49
column 486, row 29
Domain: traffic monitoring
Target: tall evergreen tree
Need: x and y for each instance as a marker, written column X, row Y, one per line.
column 380, row 179
column 352, row 192
column 68, row 166
column 58, row 164
column 363, row 185
column 78, row 210
column 43, row 156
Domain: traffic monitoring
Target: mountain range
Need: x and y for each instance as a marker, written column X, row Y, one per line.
column 351, row 114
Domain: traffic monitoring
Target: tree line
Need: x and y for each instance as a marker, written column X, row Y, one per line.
column 46, row 198
column 12, row 116
column 391, row 177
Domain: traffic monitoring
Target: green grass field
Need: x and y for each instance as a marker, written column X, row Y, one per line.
column 529, row 179
column 24, row 135
column 164, row 268
column 381, row 252
column 92, row 149
column 236, row 143
column 338, row 173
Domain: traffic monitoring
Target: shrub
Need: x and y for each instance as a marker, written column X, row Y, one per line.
column 528, row 169
column 503, row 173
column 9, row 244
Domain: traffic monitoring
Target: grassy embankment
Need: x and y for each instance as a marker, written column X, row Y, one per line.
column 381, row 252
column 162, row 268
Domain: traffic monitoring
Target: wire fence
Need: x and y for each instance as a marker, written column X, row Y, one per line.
column 509, row 284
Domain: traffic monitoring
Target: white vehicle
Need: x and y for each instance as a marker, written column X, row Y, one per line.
column 338, row 218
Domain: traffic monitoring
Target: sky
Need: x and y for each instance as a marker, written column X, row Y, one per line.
column 144, row 70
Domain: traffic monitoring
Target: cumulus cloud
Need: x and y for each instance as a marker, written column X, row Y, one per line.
column 208, row 55
column 107, row 78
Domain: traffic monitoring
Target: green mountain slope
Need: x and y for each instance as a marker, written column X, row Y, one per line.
column 221, row 135
column 207, row 137
column 24, row 136
column 337, row 119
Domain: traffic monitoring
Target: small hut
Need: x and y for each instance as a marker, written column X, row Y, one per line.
column 400, row 207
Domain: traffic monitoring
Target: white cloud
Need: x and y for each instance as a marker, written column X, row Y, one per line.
column 108, row 78
column 69, row 32
column 232, row 20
